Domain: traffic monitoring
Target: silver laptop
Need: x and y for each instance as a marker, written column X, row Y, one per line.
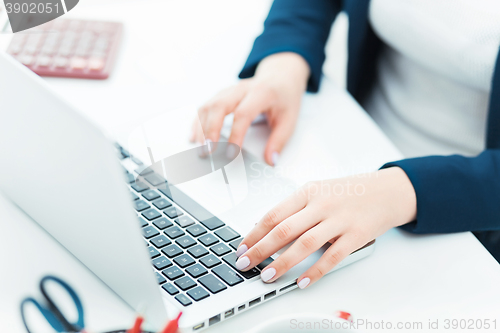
column 151, row 243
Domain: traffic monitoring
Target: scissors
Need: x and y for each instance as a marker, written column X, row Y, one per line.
column 50, row 310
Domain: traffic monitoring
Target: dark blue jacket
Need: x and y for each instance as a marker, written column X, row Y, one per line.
column 454, row 193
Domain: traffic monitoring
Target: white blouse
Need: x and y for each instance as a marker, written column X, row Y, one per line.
column 435, row 73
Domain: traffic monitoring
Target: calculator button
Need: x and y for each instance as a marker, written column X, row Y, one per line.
column 26, row 60
column 78, row 63
column 96, row 64
column 44, row 61
column 61, row 62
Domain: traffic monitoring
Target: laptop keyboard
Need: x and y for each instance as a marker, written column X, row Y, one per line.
column 192, row 259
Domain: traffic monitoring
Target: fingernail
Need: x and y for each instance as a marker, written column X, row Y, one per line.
column 242, row 263
column 208, row 142
column 268, row 274
column 304, row 283
column 242, row 249
column 275, row 158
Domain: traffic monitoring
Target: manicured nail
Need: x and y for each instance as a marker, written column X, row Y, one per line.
column 242, row 263
column 267, row 274
column 304, row 283
column 242, row 249
column 275, row 158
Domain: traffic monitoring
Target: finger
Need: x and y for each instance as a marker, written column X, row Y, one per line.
column 278, row 138
column 250, row 106
column 309, row 242
column 291, row 205
column 202, row 115
column 337, row 252
column 195, row 127
column 281, row 235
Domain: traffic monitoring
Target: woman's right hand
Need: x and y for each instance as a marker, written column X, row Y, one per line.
column 276, row 90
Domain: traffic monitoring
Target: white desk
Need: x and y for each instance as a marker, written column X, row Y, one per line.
column 182, row 53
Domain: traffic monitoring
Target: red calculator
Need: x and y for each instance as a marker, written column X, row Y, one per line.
column 69, row 48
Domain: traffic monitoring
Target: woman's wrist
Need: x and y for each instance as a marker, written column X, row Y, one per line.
column 290, row 66
column 401, row 194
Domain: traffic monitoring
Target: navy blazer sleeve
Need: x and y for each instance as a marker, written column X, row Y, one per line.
column 455, row 193
column 300, row 26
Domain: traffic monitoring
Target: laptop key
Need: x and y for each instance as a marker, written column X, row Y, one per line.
column 227, row 234
column 139, row 186
column 231, row 258
column 197, row 251
column 154, row 179
column 151, row 214
column 220, row 249
column 208, row 240
column 210, row 261
column 184, row 260
column 234, row 244
column 162, row 203
column 150, row 195
column 173, row 272
column 150, row 231
column 183, row 299
column 185, row 242
column 170, row 288
column 213, row 223
column 162, row 223
column 212, row 283
column 160, row 241
column 171, row 251
column 185, row 283
column 153, row 253
column 227, row 275
column 265, row 263
column 196, row 230
column 160, row 278
column 172, row 212
column 198, row 293
column 129, row 178
column 142, row 222
column 196, row 270
column 134, row 196
column 174, row 232
column 161, row 263
column 184, row 221
column 141, row 205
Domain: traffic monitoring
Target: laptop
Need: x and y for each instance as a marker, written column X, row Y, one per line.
column 155, row 246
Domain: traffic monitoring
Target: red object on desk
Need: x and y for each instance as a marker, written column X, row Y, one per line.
column 172, row 325
column 69, row 48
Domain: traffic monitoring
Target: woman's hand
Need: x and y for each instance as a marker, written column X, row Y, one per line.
column 276, row 90
column 347, row 212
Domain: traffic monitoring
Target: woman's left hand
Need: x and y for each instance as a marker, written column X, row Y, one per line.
column 347, row 212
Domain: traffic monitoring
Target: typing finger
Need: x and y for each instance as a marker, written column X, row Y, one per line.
column 309, row 242
column 281, row 235
column 291, row 205
column 337, row 252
